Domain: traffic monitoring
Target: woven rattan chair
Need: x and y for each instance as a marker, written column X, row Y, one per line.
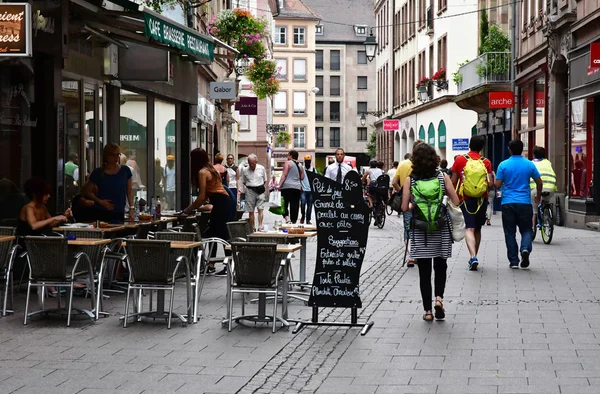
column 96, row 253
column 150, row 269
column 239, row 230
column 8, row 252
column 48, row 259
column 250, row 270
column 194, row 257
column 273, row 240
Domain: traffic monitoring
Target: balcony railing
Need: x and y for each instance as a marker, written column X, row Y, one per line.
column 489, row 68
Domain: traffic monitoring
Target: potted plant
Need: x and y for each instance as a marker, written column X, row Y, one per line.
column 439, row 79
column 457, row 77
column 423, row 84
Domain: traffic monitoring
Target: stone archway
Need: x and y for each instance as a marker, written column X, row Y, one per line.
column 410, row 141
column 397, row 146
column 404, row 146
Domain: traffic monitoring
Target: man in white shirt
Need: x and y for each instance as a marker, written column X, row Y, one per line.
column 253, row 177
column 338, row 170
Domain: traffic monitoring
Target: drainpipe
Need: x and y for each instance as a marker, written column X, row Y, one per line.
column 513, row 55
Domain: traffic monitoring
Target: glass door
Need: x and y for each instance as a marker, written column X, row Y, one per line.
column 69, row 143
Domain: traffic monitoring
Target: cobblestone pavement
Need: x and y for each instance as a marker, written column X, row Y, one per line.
column 505, row 332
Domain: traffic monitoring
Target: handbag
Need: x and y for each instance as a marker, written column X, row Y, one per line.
column 275, row 199
column 278, row 210
column 458, row 222
column 396, row 201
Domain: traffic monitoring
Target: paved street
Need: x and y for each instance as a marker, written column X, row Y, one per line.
column 506, row 332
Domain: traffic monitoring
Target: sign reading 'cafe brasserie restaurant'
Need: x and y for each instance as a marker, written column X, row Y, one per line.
column 159, row 29
column 15, row 29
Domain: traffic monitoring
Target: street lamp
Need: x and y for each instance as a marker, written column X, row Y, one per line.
column 242, row 65
column 423, row 95
column 370, row 46
column 363, row 116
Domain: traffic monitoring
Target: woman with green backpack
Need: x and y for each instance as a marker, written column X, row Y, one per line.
column 426, row 193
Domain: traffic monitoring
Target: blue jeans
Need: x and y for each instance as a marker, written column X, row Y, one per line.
column 513, row 216
column 306, row 205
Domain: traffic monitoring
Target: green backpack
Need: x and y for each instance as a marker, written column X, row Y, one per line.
column 428, row 195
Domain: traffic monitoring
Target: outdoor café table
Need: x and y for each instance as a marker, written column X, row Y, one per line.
column 158, row 222
column 110, row 231
column 160, row 297
column 262, row 298
column 307, row 227
column 302, row 237
column 7, row 238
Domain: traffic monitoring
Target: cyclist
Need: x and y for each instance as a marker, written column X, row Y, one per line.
column 369, row 178
column 544, row 166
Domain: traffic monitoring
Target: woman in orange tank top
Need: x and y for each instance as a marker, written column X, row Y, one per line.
column 210, row 188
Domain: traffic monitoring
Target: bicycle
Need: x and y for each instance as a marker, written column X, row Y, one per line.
column 388, row 207
column 544, row 219
column 378, row 211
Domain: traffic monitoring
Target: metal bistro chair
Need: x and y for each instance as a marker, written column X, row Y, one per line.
column 239, row 230
column 194, row 257
column 8, row 253
column 97, row 254
column 149, row 269
column 250, row 270
column 49, row 266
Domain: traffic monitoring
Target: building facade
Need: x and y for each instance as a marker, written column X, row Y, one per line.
column 345, row 79
column 427, row 49
column 294, row 105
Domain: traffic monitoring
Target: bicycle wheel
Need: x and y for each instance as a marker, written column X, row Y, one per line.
column 381, row 215
column 534, row 233
column 389, row 210
column 547, row 225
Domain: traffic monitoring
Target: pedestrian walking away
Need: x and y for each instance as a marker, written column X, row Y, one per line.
column 513, row 178
column 491, row 197
column 471, row 177
column 306, row 200
column 291, row 187
column 425, row 192
column 402, row 173
column 337, row 170
column 232, row 171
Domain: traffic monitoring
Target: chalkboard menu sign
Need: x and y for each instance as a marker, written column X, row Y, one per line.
column 342, row 230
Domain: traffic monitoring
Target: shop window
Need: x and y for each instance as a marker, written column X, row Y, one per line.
column 18, row 103
column 581, row 160
column 92, row 136
column 540, row 102
column 165, row 184
column 133, row 140
column 70, row 143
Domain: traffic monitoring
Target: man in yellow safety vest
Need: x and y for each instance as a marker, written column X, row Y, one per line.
column 544, row 166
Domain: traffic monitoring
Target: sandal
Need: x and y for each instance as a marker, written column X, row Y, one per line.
column 440, row 312
column 428, row 316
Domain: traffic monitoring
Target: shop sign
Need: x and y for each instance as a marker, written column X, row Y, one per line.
column 595, row 55
column 247, row 105
column 539, row 100
column 223, row 90
column 15, row 29
column 391, row 124
column 171, row 33
column 501, row 100
column 460, row 144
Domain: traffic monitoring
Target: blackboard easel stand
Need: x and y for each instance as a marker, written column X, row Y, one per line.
column 353, row 322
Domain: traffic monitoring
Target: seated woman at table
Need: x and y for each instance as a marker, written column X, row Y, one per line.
column 34, row 218
column 110, row 186
column 210, row 187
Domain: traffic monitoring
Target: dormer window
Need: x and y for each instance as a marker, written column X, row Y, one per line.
column 319, row 30
column 360, row 30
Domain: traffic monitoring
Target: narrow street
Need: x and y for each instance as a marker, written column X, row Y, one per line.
column 506, row 331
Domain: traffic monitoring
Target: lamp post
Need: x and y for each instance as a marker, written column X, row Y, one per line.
column 363, row 116
column 370, row 46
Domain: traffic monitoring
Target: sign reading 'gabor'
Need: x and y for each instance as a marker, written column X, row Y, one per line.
column 15, row 29
column 222, row 90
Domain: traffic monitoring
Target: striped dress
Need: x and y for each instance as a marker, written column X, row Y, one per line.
column 438, row 243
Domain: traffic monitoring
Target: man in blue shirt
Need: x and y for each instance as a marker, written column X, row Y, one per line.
column 513, row 177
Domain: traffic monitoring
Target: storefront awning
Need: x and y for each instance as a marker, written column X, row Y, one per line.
column 431, row 134
column 442, row 134
column 171, row 33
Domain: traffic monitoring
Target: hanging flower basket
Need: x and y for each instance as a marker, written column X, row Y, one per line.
column 263, row 75
column 283, row 138
column 439, row 74
column 240, row 29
